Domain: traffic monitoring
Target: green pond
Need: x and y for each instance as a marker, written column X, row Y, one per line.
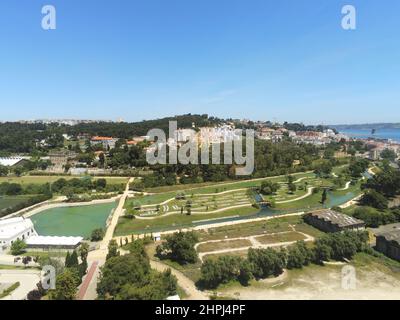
column 72, row 221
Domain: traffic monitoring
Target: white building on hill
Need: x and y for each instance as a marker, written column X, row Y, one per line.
column 13, row 229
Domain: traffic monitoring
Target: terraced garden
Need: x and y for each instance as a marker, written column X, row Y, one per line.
column 230, row 201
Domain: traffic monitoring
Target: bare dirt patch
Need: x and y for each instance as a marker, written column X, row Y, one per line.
column 220, row 245
column 280, row 237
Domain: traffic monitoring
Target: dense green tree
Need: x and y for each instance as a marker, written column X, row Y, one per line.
column 268, row 187
column 112, row 249
column 18, row 247
column 374, row 199
column 3, row 171
column 388, row 154
column 358, row 167
column 322, row 251
column 179, row 247
column 373, row 217
column 224, row 269
column 72, row 261
column 387, row 182
column 266, row 262
column 66, row 286
column 324, row 196
column 131, row 277
column 97, row 234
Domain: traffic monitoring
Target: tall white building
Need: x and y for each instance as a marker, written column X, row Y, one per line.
column 13, row 229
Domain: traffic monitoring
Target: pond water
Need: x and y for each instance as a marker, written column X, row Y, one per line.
column 72, row 221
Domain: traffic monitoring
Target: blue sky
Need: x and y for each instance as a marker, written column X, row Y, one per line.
column 258, row 59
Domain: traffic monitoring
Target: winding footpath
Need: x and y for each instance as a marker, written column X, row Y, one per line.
column 309, row 193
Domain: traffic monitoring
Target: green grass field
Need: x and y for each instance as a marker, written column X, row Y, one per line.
column 9, row 201
column 258, row 228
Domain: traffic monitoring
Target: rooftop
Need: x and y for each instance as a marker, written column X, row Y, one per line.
column 339, row 219
column 14, row 226
column 12, row 161
column 53, row 241
column 97, row 138
column 391, row 232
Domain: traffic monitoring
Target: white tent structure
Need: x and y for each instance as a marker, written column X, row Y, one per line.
column 46, row 243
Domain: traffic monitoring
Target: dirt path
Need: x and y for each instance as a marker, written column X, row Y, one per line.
column 346, row 186
column 184, row 282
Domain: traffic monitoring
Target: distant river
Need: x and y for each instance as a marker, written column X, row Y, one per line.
column 393, row 134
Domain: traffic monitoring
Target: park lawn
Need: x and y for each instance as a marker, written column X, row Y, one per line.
column 44, row 254
column 308, row 229
column 310, row 202
column 340, row 169
column 139, row 226
column 10, row 201
column 150, row 199
column 11, row 267
column 213, row 256
column 280, row 237
column 24, row 180
column 247, row 229
column 224, row 244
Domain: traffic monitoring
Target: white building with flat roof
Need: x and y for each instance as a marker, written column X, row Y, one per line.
column 53, row 243
column 13, row 229
column 23, row 229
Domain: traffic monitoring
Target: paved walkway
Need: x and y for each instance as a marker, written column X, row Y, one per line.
column 27, row 279
column 87, row 280
column 97, row 257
